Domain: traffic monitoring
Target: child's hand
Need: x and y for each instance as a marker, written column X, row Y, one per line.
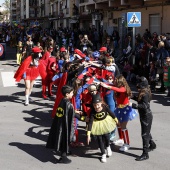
column 88, row 139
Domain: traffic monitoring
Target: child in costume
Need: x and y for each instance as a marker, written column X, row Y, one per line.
column 19, row 52
column 102, row 121
column 167, row 75
column 123, row 111
column 146, row 117
column 62, row 129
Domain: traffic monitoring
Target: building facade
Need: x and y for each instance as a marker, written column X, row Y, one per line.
column 13, row 10
column 101, row 14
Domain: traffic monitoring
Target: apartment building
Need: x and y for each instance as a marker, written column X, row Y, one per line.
column 13, row 10
column 48, row 13
column 101, row 14
column 110, row 14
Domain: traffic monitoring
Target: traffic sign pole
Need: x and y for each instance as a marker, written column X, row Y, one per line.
column 134, row 35
column 134, row 20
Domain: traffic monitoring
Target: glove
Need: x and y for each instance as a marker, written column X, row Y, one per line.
column 87, row 58
column 134, row 105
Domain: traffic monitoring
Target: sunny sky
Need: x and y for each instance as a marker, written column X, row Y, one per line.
column 1, row 2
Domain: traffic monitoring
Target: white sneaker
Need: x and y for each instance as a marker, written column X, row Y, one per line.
column 119, row 141
column 108, row 151
column 103, row 159
column 124, row 148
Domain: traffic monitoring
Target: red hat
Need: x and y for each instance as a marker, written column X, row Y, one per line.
column 36, row 50
column 103, row 49
column 63, row 49
column 77, row 51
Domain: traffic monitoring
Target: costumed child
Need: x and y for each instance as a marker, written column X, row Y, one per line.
column 62, row 129
column 102, row 121
column 143, row 106
column 123, row 111
column 166, row 77
column 19, row 52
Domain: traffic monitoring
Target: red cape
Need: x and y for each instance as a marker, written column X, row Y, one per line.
column 22, row 68
column 59, row 95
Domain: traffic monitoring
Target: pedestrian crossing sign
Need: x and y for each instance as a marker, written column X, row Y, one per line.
column 134, row 19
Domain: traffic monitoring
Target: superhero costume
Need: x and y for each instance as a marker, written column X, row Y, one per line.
column 62, row 129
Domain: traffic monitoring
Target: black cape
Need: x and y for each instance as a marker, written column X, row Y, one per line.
column 62, row 129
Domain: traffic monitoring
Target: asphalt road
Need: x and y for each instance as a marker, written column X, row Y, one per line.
column 24, row 131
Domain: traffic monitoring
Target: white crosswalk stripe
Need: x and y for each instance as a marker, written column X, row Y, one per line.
column 9, row 81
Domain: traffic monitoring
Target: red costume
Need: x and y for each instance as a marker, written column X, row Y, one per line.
column 31, row 71
column 43, row 72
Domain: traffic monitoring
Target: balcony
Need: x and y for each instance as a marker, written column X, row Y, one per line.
column 61, row 14
column 33, row 3
column 14, row 2
column 84, row 1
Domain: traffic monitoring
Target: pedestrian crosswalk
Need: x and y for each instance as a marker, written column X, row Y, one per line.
column 9, row 81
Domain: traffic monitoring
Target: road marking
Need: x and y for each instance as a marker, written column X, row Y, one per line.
column 8, row 79
column 38, row 81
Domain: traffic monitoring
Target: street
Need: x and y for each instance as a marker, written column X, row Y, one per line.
column 24, row 131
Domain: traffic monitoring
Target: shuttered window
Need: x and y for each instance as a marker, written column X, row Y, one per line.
column 155, row 23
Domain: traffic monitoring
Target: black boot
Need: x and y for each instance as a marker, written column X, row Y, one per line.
column 64, row 160
column 143, row 157
column 152, row 146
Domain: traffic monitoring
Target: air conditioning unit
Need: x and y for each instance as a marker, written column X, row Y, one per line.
column 110, row 15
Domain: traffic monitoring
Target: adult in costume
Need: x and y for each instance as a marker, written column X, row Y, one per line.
column 29, row 71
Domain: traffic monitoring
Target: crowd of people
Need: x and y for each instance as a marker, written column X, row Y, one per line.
column 90, row 86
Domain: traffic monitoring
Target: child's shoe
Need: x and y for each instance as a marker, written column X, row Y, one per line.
column 108, row 151
column 103, row 159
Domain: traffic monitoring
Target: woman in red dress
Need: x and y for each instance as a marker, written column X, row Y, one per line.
column 29, row 71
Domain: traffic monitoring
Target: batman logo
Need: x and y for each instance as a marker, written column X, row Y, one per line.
column 100, row 115
column 60, row 112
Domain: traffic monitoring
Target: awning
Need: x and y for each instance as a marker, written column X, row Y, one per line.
column 73, row 21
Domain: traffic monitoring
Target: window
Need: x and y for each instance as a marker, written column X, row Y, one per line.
column 155, row 23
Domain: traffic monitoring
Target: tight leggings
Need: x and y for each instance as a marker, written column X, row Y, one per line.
column 103, row 141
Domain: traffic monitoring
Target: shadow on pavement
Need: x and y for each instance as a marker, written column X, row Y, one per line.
column 37, row 151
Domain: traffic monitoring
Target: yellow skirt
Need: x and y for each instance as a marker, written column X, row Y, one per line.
column 105, row 126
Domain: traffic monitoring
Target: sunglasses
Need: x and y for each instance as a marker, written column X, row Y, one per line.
column 110, row 78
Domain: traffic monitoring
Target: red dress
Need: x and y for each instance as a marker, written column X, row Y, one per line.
column 27, row 70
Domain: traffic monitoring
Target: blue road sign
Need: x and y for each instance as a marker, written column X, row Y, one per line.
column 134, row 19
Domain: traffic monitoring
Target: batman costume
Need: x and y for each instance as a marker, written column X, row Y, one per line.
column 62, row 129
